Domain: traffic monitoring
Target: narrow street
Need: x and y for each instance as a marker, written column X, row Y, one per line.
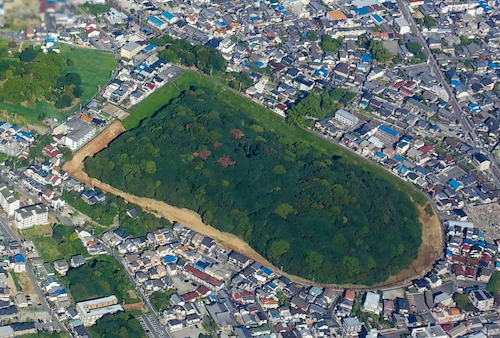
column 11, row 235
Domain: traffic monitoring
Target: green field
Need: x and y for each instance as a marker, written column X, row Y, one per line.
column 47, row 248
column 94, row 67
column 307, row 205
column 63, row 242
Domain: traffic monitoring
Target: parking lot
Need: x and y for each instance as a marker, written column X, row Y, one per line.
column 190, row 331
column 184, row 285
column 151, row 326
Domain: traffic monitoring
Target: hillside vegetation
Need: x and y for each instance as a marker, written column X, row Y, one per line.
column 35, row 85
column 284, row 191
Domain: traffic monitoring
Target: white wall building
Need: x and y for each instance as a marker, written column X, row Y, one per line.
column 77, row 132
column 8, row 201
column 481, row 299
column 346, row 118
column 402, row 25
column 30, row 216
column 91, row 310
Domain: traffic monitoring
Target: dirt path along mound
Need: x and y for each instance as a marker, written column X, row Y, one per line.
column 429, row 251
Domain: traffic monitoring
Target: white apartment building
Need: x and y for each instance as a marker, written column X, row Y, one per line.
column 8, row 201
column 91, row 310
column 481, row 299
column 32, row 215
column 77, row 138
column 346, row 118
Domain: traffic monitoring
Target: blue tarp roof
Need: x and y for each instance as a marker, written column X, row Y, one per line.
column 168, row 15
column 454, row 184
column 170, row 259
column 377, row 18
column 321, row 72
column 266, row 271
column 399, row 158
column 388, row 130
column 149, row 47
column 366, row 58
column 362, row 11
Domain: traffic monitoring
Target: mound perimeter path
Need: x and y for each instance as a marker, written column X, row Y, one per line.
column 430, row 250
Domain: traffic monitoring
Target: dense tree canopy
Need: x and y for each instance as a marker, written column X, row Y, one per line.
column 329, row 44
column 99, row 278
column 204, row 58
column 105, row 214
column 379, row 52
column 319, row 105
column 316, row 215
column 37, row 76
column 162, row 41
column 118, row 325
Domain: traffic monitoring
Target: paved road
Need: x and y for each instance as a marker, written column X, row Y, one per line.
column 152, row 327
column 11, row 235
column 457, row 109
column 152, row 321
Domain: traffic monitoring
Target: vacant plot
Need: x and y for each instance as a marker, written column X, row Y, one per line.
column 38, row 231
column 47, row 248
column 94, row 66
column 22, row 14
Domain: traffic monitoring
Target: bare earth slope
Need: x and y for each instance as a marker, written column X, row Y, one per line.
column 432, row 237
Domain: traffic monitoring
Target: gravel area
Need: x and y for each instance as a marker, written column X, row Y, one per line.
column 486, row 217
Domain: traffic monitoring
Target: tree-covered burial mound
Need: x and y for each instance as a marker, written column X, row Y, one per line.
column 249, row 173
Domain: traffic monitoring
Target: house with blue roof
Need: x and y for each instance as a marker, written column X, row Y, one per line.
column 403, row 170
column 169, row 17
column 399, row 158
column 455, row 184
column 380, row 156
column 362, row 11
column 377, row 19
column 267, row 271
column 25, row 135
column 157, row 23
column 19, row 263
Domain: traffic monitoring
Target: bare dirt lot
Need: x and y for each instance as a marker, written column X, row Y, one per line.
column 430, row 250
column 23, row 13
